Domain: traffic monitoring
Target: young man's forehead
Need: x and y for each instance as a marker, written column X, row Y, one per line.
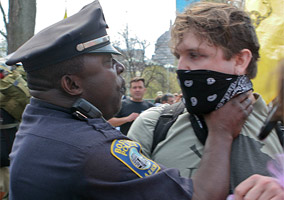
column 192, row 42
column 189, row 47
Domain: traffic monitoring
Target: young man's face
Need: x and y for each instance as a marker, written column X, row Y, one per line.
column 194, row 54
column 137, row 90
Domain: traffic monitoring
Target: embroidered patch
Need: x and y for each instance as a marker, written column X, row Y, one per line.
column 129, row 153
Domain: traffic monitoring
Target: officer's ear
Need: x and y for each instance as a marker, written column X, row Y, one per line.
column 71, row 84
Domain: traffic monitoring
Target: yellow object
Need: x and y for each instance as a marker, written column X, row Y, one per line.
column 268, row 17
column 65, row 15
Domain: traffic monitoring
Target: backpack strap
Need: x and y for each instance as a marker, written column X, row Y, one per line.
column 167, row 118
column 279, row 128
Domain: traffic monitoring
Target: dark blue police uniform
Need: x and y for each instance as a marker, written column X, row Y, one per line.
column 57, row 156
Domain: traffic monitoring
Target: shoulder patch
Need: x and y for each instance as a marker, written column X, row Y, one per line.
column 129, row 153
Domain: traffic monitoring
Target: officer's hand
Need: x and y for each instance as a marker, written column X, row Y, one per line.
column 132, row 117
column 231, row 117
column 258, row 187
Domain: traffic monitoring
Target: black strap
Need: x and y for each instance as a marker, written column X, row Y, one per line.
column 280, row 132
column 199, row 126
column 167, row 118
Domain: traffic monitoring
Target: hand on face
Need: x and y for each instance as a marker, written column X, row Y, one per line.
column 231, row 117
column 258, row 187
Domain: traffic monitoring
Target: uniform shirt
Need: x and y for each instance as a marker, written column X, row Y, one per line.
column 57, row 156
column 128, row 106
column 181, row 149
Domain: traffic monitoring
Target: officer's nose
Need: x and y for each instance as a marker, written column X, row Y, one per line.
column 119, row 66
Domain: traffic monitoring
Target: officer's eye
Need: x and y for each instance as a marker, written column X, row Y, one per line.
column 109, row 61
column 118, row 66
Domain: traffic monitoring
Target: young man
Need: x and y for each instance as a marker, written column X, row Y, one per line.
column 131, row 108
column 217, row 51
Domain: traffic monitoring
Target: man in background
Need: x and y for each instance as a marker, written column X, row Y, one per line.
column 168, row 98
column 131, row 108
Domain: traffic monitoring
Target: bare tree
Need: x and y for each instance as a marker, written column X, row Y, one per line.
column 133, row 56
column 136, row 64
column 20, row 25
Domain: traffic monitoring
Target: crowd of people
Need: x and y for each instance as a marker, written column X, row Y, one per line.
column 69, row 146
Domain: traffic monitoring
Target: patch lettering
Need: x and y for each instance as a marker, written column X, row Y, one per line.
column 129, row 153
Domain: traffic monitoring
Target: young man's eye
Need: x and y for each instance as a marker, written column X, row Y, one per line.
column 193, row 55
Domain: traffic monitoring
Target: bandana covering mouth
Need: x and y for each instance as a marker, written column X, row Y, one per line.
column 205, row 91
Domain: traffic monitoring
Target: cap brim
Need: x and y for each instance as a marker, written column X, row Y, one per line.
column 106, row 49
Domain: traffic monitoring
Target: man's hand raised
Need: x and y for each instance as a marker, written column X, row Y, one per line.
column 231, row 117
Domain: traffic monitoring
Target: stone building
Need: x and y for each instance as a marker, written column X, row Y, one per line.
column 163, row 55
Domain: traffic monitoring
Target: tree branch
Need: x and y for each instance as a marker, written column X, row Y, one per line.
column 3, row 34
column 4, row 19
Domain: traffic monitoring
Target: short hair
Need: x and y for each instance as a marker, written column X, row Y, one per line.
column 157, row 100
column 222, row 25
column 137, row 79
column 50, row 77
column 165, row 97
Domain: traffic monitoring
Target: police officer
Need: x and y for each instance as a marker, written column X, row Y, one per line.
column 65, row 148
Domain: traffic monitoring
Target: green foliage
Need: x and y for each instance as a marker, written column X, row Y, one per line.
column 158, row 78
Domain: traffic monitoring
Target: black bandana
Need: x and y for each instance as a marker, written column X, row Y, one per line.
column 205, row 91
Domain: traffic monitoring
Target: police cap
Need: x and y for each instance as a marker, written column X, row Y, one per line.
column 84, row 32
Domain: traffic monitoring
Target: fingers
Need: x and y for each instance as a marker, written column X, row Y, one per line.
column 259, row 187
column 243, row 96
column 243, row 188
column 245, row 103
column 132, row 117
column 248, row 107
column 272, row 191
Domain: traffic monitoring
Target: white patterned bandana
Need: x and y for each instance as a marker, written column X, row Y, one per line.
column 205, row 91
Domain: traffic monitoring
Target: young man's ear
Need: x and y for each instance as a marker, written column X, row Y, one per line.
column 242, row 59
column 71, row 84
